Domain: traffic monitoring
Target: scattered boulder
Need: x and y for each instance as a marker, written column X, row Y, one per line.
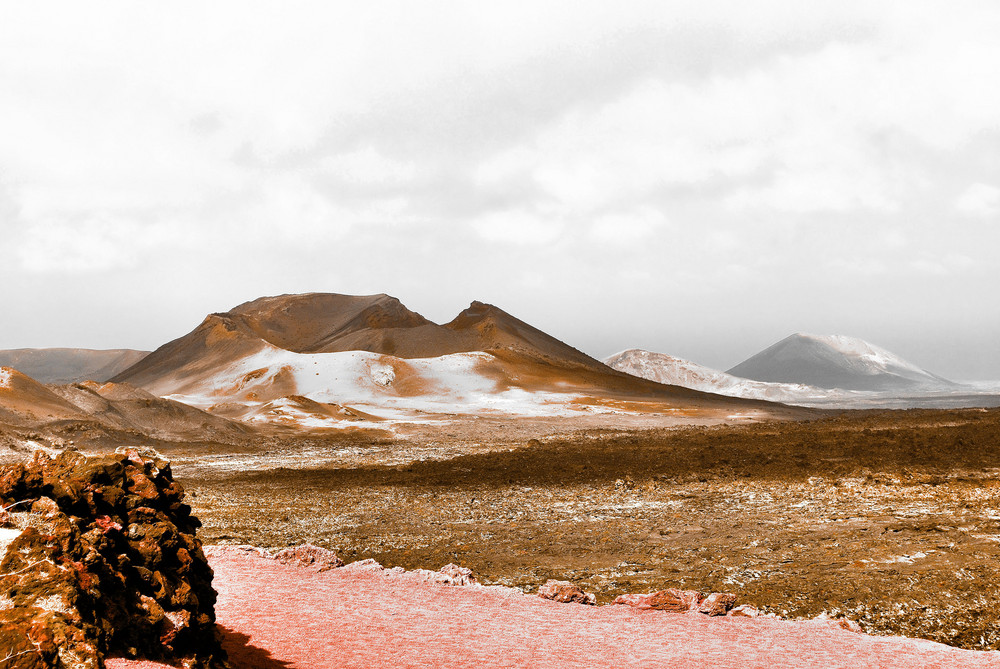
column 107, row 562
column 839, row 623
column 682, row 601
column 717, row 604
column 450, row 574
column 744, row 611
column 564, row 591
column 367, row 565
column 670, row 599
column 849, row 625
column 308, row 555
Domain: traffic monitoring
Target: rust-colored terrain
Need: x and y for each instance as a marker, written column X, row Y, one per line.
column 888, row 518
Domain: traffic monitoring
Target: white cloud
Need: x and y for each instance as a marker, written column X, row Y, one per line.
column 816, row 190
column 367, row 167
column 979, row 199
column 627, row 227
column 90, row 245
column 519, row 226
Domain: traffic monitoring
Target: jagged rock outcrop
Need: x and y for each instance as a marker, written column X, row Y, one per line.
column 566, row 592
column 107, row 561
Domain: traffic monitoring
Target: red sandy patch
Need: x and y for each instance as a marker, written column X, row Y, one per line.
column 284, row 616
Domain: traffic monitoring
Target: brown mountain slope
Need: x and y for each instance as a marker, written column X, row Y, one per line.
column 69, row 365
column 326, row 323
column 122, row 407
column 219, row 339
column 308, row 323
column 27, row 402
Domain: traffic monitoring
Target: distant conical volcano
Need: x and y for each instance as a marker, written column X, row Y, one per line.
column 836, row 361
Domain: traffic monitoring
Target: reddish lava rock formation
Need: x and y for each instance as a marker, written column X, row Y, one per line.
column 566, row 592
column 308, row 555
column 107, row 562
column 672, row 599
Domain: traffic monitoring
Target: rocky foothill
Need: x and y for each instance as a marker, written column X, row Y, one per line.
column 101, row 559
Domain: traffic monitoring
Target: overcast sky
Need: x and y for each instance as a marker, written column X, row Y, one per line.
column 695, row 178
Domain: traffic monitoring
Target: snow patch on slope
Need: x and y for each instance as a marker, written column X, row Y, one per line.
column 874, row 359
column 5, row 377
column 385, row 386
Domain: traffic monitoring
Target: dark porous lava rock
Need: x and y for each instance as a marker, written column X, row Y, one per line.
column 107, row 563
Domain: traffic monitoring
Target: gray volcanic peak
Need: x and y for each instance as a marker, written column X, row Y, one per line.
column 70, row 365
column 836, row 361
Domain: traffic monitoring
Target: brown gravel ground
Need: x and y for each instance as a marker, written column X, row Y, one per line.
column 889, row 518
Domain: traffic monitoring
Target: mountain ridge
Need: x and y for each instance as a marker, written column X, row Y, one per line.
column 329, row 322
column 70, row 365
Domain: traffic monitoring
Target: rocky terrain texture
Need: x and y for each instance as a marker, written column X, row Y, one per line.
column 101, row 557
column 889, row 518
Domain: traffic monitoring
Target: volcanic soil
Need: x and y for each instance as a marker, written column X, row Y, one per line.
column 889, row 518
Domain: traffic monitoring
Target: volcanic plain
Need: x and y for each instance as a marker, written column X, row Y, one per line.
column 891, row 519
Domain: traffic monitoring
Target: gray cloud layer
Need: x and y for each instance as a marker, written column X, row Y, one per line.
column 698, row 181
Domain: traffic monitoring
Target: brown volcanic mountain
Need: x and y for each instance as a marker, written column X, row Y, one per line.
column 309, row 323
column 326, row 323
column 520, row 355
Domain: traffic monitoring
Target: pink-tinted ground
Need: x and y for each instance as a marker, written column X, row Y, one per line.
column 279, row 616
